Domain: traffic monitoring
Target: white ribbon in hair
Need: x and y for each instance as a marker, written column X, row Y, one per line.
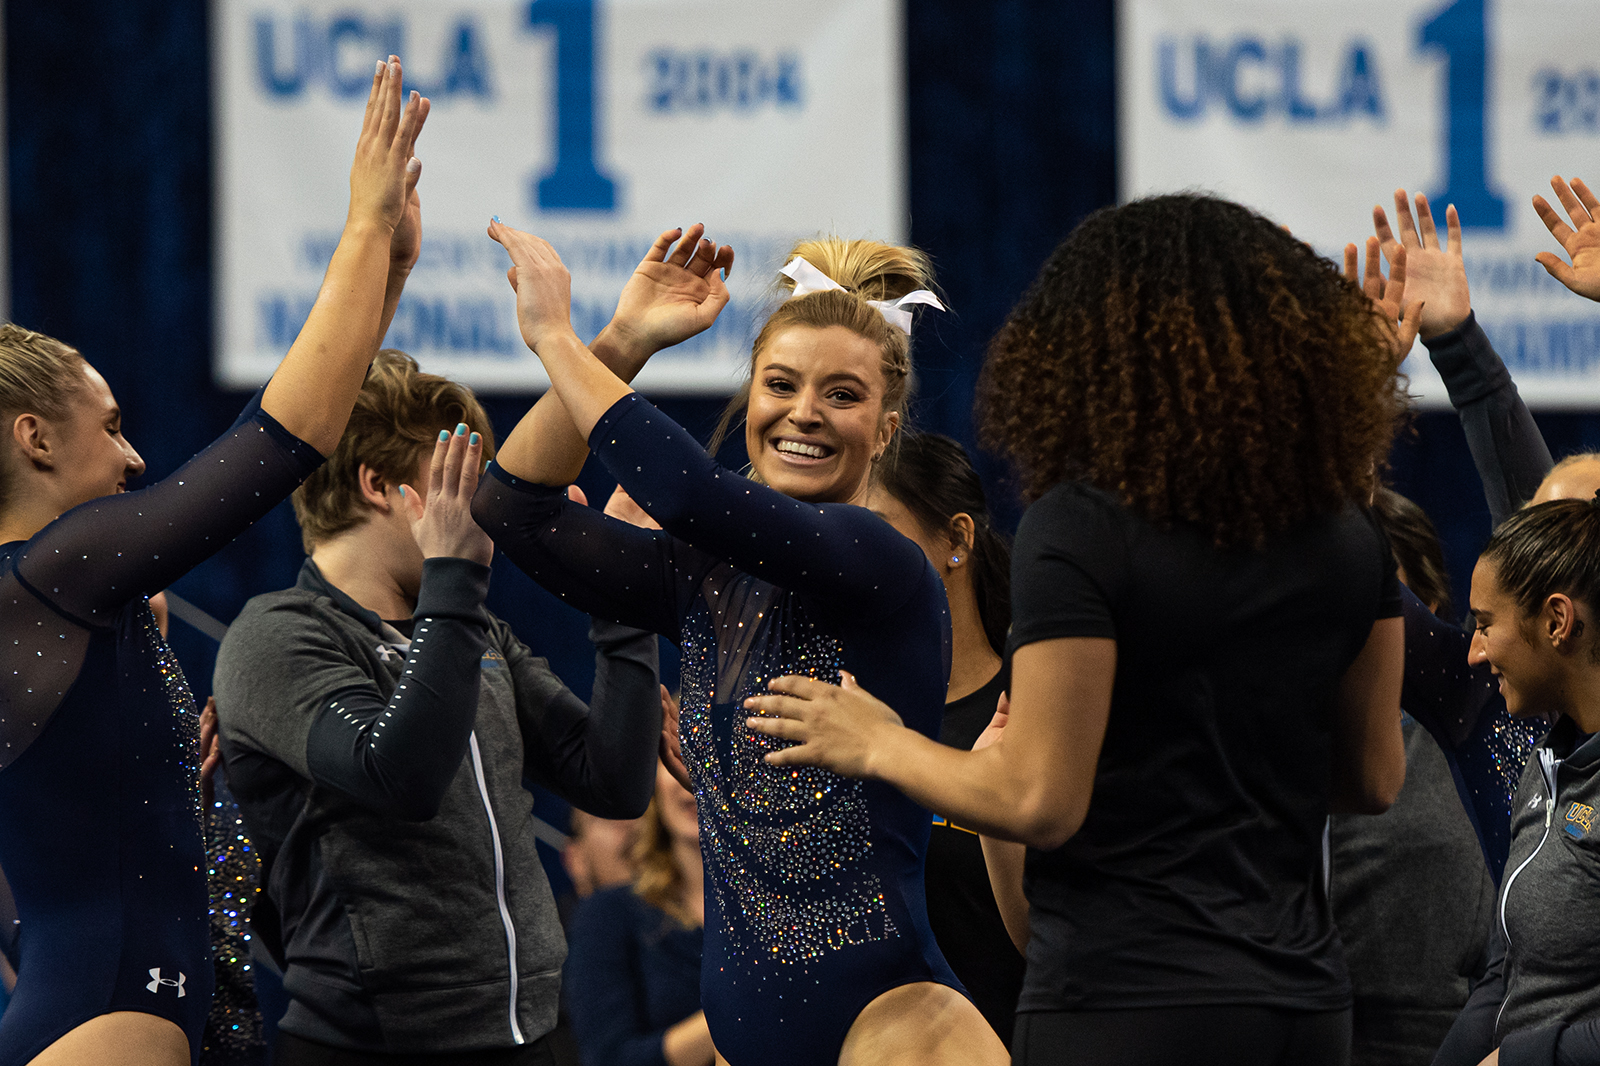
column 808, row 279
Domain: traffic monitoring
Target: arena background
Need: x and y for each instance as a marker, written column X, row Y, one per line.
column 1012, row 139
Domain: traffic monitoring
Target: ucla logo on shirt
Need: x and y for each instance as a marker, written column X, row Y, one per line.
column 492, row 660
column 1580, row 819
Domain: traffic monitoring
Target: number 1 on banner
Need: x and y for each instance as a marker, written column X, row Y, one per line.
column 1459, row 31
column 575, row 182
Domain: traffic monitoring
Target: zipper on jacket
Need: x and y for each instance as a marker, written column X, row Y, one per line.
column 1547, row 765
column 499, row 883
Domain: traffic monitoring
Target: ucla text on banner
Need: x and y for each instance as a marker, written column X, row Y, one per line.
column 1313, row 111
column 594, row 123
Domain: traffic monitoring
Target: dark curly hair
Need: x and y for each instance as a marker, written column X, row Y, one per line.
column 1190, row 357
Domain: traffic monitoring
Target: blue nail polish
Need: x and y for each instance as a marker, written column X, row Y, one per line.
column 461, row 429
column 495, row 218
column 472, row 439
column 444, row 435
column 402, row 492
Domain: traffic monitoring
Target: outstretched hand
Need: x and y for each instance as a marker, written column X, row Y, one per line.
column 1581, row 240
column 1435, row 276
column 383, row 178
column 443, row 526
column 1388, row 297
column 837, row 727
column 541, row 281
column 674, row 293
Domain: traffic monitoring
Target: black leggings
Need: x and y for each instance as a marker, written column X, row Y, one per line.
column 1182, row 1036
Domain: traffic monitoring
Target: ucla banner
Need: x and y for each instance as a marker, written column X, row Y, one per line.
column 1312, row 111
column 594, row 123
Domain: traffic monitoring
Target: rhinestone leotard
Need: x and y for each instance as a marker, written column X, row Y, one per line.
column 100, row 832
column 814, row 892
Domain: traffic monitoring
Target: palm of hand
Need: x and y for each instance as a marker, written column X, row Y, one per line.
column 1439, row 278
column 669, row 303
column 406, row 244
column 1584, row 248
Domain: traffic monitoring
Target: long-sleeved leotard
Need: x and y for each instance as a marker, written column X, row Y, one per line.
column 814, row 899
column 100, row 832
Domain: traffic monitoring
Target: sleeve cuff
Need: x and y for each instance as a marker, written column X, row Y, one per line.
column 1468, row 363
column 452, row 588
column 517, row 484
column 1531, row 1047
column 610, row 636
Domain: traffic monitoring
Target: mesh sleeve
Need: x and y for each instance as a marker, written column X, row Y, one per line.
column 834, row 551
column 94, row 559
column 639, row 577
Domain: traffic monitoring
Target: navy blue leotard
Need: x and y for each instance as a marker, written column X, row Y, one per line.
column 100, row 833
column 814, row 892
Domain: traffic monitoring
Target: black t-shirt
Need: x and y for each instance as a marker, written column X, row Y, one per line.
column 961, row 907
column 1197, row 876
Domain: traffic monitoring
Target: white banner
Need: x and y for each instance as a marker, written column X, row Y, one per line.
column 1312, row 111
column 594, row 123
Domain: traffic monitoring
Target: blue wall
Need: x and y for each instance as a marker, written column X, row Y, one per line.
column 1012, row 139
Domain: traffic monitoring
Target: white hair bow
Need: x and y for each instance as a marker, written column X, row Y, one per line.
column 808, row 279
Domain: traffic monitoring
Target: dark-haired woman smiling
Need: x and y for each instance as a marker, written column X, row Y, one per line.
column 1206, row 633
column 1535, row 594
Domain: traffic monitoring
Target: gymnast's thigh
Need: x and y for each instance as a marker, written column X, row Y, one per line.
column 923, row 1023
column 123, row 1038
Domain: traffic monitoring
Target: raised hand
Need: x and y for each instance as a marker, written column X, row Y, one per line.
column 442, row 525
column 542, row 284
column 674, row 293
column 1388, row 297
column 1581, row 240
column 383, row 178
column 1434, row 275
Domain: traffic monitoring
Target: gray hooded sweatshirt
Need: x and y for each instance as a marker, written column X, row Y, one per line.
column 383, row 782
column 1539, row 1003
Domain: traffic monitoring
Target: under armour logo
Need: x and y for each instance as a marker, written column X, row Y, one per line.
column 385, row 654
column 157, row 981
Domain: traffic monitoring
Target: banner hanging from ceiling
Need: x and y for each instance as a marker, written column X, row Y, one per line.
column 594, row 123
column 1312, row 112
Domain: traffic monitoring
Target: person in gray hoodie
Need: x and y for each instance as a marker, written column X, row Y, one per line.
column 1536, row 596
column 379, row 727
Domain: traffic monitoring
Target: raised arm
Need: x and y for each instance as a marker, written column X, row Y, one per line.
column 673, row 294
column 95, row 558
column 316, row 384
column 1506, row 445
column 829, row 550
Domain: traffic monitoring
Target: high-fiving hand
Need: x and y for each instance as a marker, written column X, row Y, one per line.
column 1435, row 276
column 674, row 293
column 541, row 281
column 443, row 525
column 1388, row 297
column 1581, row 240
column 383, row 178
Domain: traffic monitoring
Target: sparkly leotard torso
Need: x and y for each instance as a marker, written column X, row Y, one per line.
column 814, row 893
column 100, row 833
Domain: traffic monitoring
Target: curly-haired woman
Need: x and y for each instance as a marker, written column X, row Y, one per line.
column 1207, row 648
